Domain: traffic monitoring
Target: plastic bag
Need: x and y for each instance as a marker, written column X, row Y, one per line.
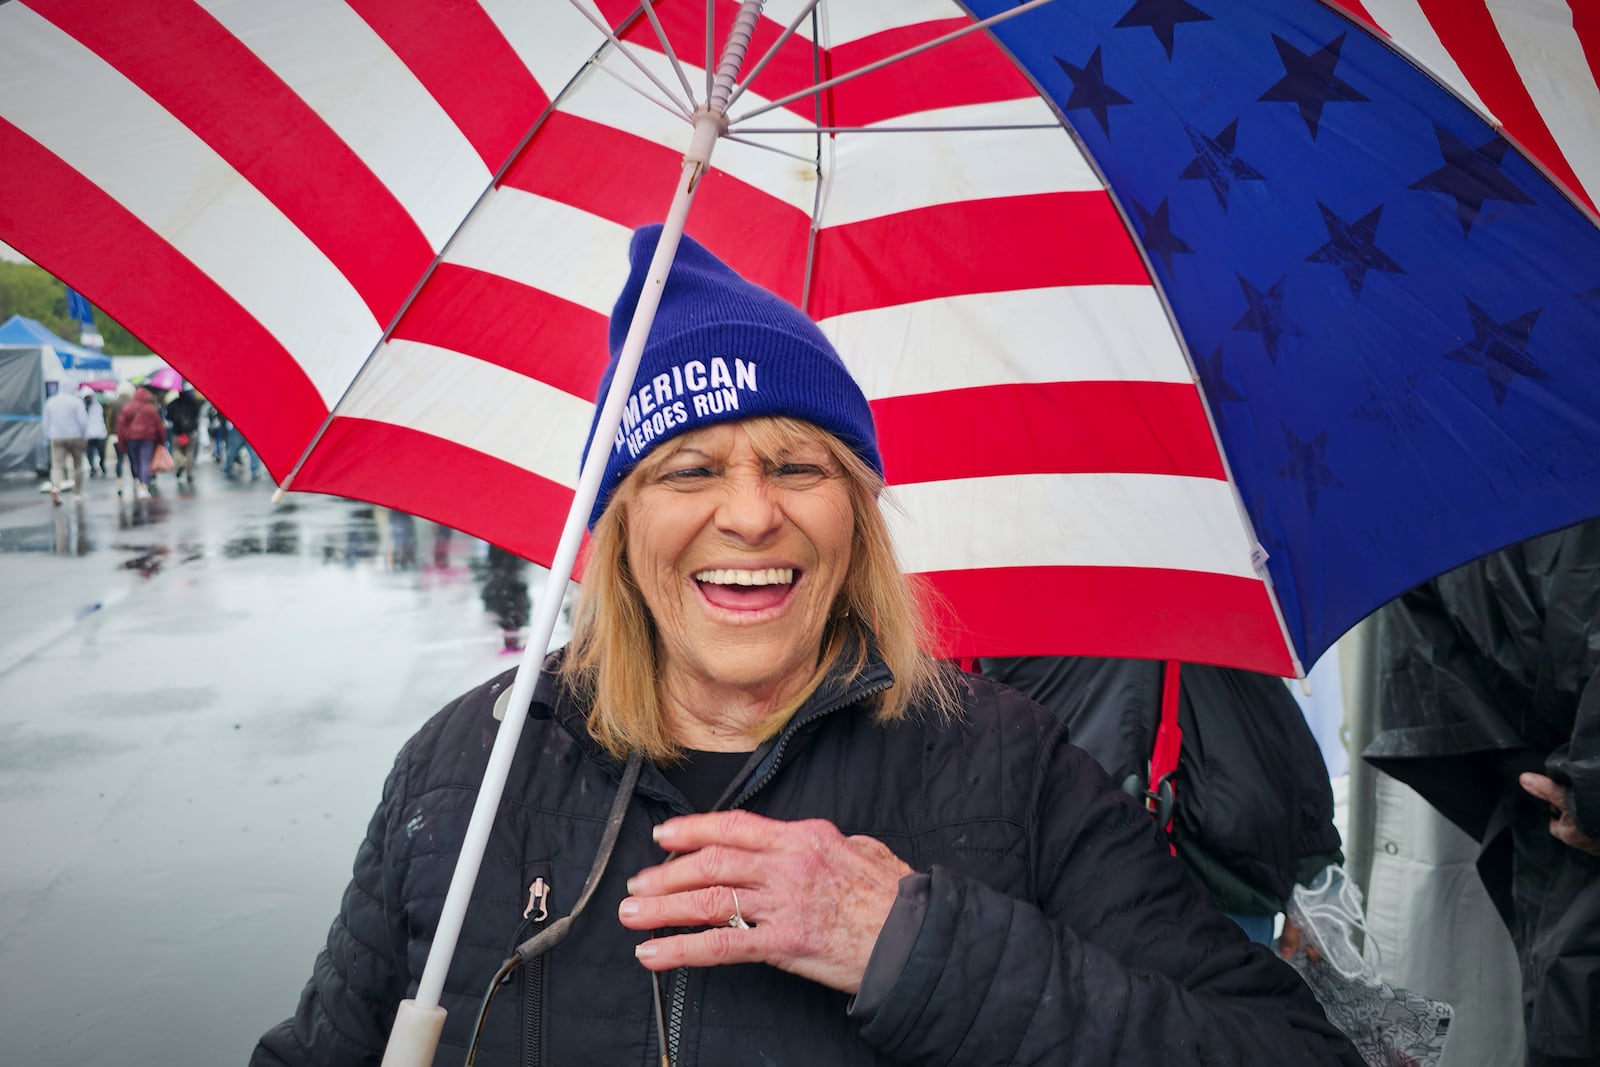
column 160, row 460
column 1390, row 1026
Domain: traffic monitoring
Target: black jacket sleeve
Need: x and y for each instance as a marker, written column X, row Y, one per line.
column 1577, row 764
column 1120, row 959
column 359, row 978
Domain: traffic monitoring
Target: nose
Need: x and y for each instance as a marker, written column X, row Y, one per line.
column 748, row 509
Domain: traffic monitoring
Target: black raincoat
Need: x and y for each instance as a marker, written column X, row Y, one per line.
column 1253, row 812
column 1486, row 672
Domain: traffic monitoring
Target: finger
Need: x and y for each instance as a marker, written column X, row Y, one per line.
column 1546, row 789
column 714, row 865
column 1289, row 940
column 710, row 948
column 740, row 828
column 712, row 906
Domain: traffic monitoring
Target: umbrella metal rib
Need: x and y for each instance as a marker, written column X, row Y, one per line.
column 672, row 57
column 685, row 109
column 784, row 101
column 440, row 256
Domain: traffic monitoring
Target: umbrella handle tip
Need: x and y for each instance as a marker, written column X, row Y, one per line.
column 415, row 1035
column 278, row 495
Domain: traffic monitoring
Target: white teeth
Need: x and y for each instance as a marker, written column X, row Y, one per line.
column 769, row 576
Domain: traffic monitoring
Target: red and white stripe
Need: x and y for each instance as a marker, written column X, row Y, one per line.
column 256, row 189
column 1528, row 64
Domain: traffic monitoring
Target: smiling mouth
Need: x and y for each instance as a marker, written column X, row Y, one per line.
column 746, row 590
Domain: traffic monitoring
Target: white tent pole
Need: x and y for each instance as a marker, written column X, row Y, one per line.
column 419, row 1021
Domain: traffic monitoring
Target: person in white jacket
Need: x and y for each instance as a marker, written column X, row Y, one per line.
column 66, row 427
column 96, row 441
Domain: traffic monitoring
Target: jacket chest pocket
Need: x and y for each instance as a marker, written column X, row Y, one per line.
column 534, row 976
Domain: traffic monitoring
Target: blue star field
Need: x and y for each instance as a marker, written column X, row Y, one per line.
column 1394, row 315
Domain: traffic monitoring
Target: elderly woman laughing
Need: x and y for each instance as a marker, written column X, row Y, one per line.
column 824, row 847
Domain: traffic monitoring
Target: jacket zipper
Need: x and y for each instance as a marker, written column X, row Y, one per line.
column 533, row 975
column 680, row 977
column 852, row 697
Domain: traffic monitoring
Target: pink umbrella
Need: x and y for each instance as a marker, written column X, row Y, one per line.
column 164, row 379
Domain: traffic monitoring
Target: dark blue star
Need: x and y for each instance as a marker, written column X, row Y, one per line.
column 1501, row 348
column 1162, row 16
column 1265, row 315
column 1309, row 80
column 1212, row 373
column 1215, row 161
column 1157, row 235
column 1472, row 176
column 1352, row 247
column 1306, row 465
column 1089, row 90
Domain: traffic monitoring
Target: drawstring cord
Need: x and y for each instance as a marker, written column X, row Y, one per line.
column 556, row 932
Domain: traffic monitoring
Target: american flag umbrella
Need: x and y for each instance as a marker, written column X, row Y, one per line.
column 1193, row 330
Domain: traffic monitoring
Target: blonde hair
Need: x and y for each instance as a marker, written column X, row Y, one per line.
column 611, row 659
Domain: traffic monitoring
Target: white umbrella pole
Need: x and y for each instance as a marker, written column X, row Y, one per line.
column 419, row 1021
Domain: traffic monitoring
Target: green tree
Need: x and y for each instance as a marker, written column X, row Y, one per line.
column 26, row 289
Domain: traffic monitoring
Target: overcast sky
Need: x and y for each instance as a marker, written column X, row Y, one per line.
column 7, row 252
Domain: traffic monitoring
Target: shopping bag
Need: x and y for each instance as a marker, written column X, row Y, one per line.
column 1389, row 1026
column 161, row 461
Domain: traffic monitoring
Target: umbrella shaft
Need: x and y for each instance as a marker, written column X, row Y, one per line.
column 733, row 53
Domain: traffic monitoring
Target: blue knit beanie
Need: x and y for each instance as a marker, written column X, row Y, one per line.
column 722, row 349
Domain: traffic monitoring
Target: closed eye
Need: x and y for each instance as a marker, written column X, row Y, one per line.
column 686, row 474
column 799, row 474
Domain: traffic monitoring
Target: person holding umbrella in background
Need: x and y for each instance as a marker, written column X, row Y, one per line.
column 183, row 416
column 756, row 816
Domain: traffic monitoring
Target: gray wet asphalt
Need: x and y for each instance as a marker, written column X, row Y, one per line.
column 200, row 696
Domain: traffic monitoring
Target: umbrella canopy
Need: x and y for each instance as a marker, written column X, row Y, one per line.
column 1192, row 330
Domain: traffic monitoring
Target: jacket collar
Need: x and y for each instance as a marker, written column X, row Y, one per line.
column 844, row 687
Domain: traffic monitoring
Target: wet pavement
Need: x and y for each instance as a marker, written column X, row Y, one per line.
column 200, row 695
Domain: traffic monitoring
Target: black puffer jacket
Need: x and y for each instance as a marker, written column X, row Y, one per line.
column 1048, row 923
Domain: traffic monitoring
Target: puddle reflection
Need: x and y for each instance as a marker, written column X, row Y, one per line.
column 154, row 535
column 131, row 513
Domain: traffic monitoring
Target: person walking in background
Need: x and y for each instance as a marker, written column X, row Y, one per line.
column 66, row 427
column 140, row 428
column 95, row 443
column 236, row 445
column 183, row 415
column 113, row 413
column 216, row 427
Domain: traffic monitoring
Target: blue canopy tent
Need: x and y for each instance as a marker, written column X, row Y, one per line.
column 80, row 363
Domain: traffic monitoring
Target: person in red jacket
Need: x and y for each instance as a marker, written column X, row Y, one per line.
column 140, row 428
